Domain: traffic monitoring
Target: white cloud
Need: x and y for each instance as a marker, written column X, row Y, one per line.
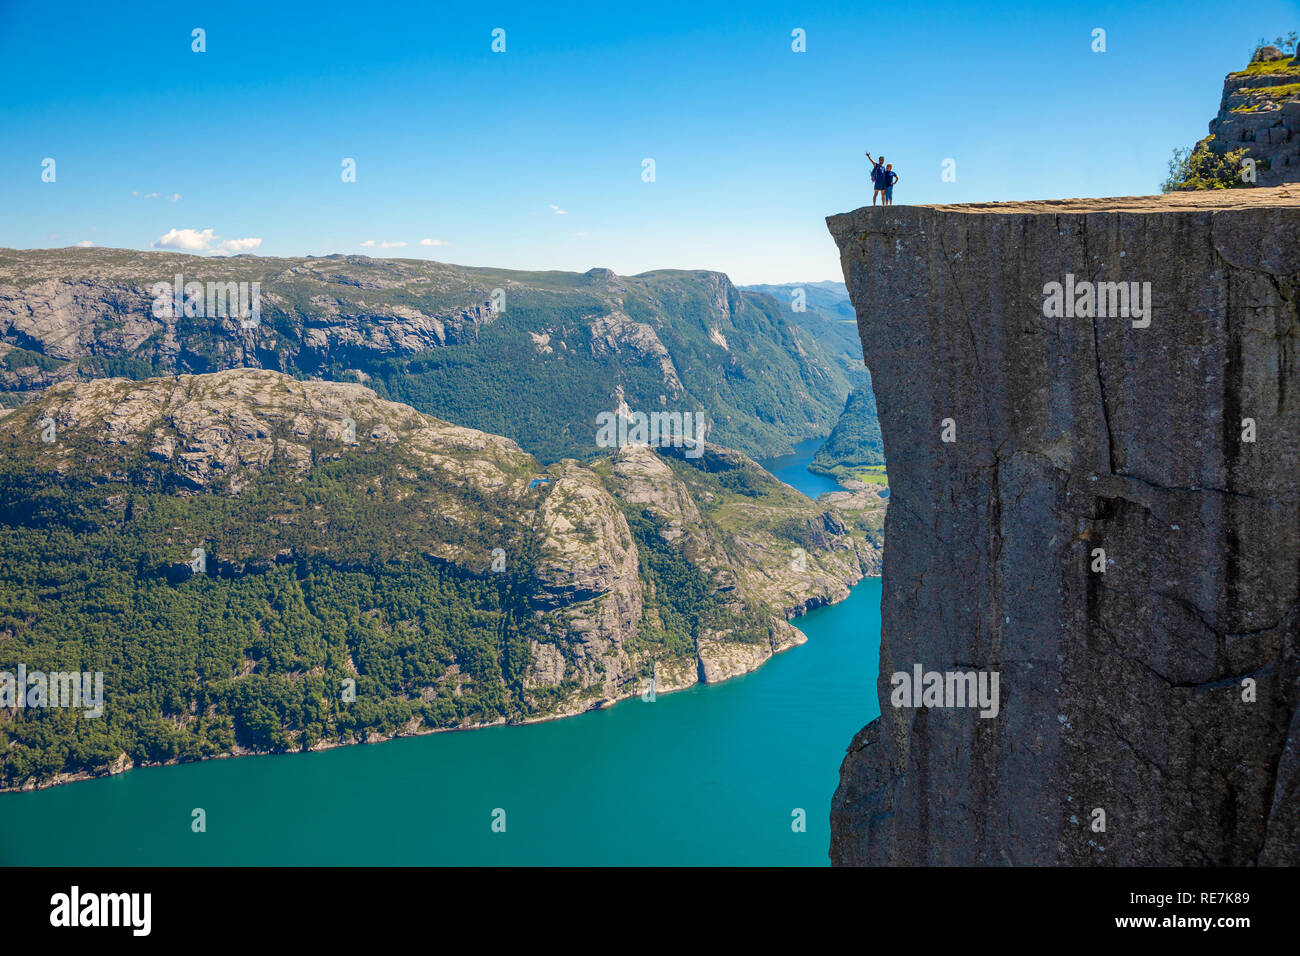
column 205, row 240
column 187, row 240
column 174, row 197
column 395, row 244
column 84, row 244
column 368, row 243
column 238, row 245
column 558, row 211
column 434, row 242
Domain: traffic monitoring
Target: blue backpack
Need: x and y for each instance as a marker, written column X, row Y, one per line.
column 879, row 177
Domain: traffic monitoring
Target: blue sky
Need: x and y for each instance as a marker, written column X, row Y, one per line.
column 753, row 143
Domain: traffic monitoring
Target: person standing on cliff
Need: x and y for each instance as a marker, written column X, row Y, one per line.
column 878, row 179
column 890, row 178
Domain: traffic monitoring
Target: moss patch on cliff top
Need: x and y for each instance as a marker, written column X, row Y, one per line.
column 1269, row 68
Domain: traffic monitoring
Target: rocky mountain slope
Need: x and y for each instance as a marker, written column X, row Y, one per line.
column 232, row 549
column 1260, row 111
column 1101, row 508
column 827, row 314
column 530, row 355
column 854, row 442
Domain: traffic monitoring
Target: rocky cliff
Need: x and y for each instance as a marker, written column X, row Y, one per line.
column 1100, row 504
column 1260, row 112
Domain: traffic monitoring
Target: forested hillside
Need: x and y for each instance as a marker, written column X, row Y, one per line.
column 341, row 537
column 854, row 444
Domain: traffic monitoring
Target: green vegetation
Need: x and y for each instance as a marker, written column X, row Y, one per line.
column 1202, row 168
column 867, row 474
column 1271, row 92
column 855, row 441
column 755, row 391
column 311, row 580
column 828, row 316
column 1269, row 68
column 345, row 574
column 503, row 384
column 1283, row 43
column 537, row 372
column 308, row 583
column 16, row 358
column 736, row 496
column 120, row 366
column 686, row 602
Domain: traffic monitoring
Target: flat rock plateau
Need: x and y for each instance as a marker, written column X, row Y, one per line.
column 1161, row 693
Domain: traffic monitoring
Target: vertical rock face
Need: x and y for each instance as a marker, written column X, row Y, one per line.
column 1162, row 691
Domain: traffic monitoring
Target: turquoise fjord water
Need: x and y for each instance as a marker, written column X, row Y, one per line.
column 708, row 775
column 793, row 469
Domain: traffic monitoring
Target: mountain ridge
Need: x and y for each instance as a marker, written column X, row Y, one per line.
column 531, row 355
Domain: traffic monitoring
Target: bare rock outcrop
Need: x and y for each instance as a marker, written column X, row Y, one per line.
column 335, row 309
column 743, row 545
column 1260, row 112
column 1101, row 507
column 590, row 573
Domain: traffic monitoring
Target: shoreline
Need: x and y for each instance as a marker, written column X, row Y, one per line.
column 602, row 703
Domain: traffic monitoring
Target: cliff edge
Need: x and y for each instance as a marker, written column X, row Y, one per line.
column 1091, row 418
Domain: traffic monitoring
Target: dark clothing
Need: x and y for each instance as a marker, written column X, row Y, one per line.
column 878, row 178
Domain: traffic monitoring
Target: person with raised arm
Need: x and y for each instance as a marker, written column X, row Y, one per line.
column 878, row 178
